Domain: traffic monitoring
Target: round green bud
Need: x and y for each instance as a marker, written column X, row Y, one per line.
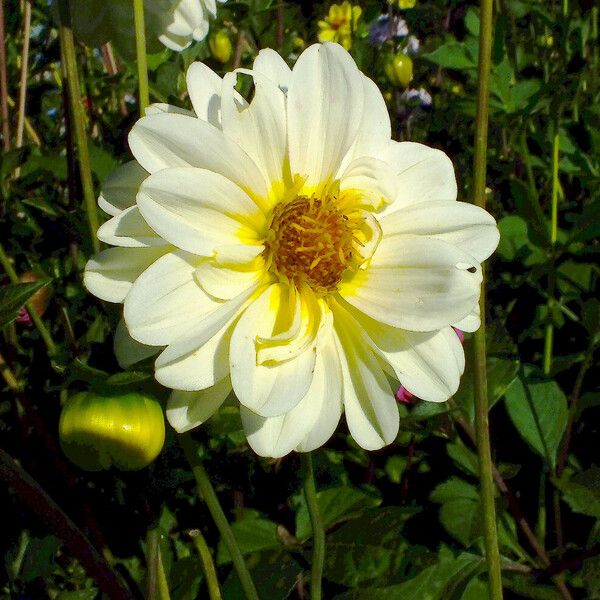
column 399, row 69
column 220, row 46
column 100, row 430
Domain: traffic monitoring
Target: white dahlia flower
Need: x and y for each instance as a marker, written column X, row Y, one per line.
column 289, row 250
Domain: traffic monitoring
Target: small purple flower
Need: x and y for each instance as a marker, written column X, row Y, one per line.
column 381, row 31
column 24, row 317
column 412, row 46
column 404, row 396
column 422, row 95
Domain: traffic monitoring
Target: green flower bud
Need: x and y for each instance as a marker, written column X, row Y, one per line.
column 399, row 69
column 220, row 46
column 125, row 430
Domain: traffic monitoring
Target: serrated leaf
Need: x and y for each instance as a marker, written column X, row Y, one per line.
column 582, row 492
column 538, row 409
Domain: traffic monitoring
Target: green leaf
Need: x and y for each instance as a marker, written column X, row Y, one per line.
column 335, row 505
column 452, row 55
column 367, row 548
column 252, row 534
column 538, row 409
column 274, row 575
column 185, row 577
column 39, row 558
column 528, row 587
column 502, row 367
column 14, row 296
column 459, row 511
column 443, row 581
column 582, row 492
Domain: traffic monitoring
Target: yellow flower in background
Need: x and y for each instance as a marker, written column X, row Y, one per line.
column 339, row 24
column 404, row 4
column 220, row 46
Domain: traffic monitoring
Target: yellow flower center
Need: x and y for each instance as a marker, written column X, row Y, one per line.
column 311, row 241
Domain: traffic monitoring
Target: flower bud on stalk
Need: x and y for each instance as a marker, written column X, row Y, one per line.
column 99, row 430
column 399, row 70
column 220, row 46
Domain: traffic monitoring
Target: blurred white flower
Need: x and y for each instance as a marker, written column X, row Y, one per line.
column 182, row 21
column 175, row 23
column 289, row 250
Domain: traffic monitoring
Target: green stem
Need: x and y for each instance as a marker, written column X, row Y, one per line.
column 158, row 586
column 207, row 492
column 479, row 351
column 140, row 47
column 67, row 46
column 549, row 333
column 37, row 320
column 318, row 553
column 210, row 572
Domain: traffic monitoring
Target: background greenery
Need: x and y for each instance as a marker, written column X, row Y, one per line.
column 402, row 523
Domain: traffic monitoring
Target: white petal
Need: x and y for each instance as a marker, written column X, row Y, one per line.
column 375, row 129
column 471, row 322
column 201, row 358
column 127, row 350
column 196, row 370
column 369, row 403
column 259, row 128
column 415, row 283
column 204, row 88
column 160, row 108
column 120, row 188
column 228, row 282
column 302, row 317
column 129, row 229
column 330, row 401
column 270, row 64
column 424, row 173
column 370, row 179
column 428, row 365
column 186, row 410
column 111, row 273
column 165, row 302
column 470, row 228
column 267, row 389
column 325, row 107
column 163, row 141
column 175, row 42
column 197, row 210
column 311, row 422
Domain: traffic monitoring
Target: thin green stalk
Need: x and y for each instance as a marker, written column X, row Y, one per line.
column 210, row 572
column 549, row 334
column 67, row 46
column 479, row 351
column 207, row 493
column 158, row 586
column 37, row 320
column 140, row 47
column 318, row 553
column 24, row 70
